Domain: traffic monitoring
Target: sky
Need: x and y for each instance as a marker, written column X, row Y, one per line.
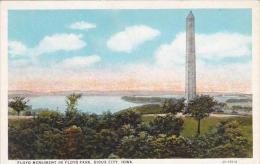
column 130, row 49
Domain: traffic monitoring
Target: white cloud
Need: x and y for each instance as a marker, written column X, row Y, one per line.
column 167, row 74
column 131, row 38
column 208, row 46
column 16, row 48
column 171, row 54
column 79, row 62
column 221, row 45
column 49, row 44
column 82, row 25
column 59, row 42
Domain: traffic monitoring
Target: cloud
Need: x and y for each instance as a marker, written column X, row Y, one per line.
column 17, row 48
column 59, row 42
column 166, row 73
column 212, row 47
column 79, row 62
column 131, row 38
column 139, row 76
column 233, row 77
column 82, row 25
column 171, row 54
column 49, row 44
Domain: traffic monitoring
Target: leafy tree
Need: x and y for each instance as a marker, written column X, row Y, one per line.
column 53, row 118
column 18, row 104
column 136, row 146
column 172, row 147
column 71, row 110
column 169, row 125
column 72, row 102
column 231, row 142
column 128, row 117
column 22, row 135
column 50, row 144
column 225, row 141
column 174, row 106
column 200, row 107
column 107, row 120
column 126, row 130
column 105, row 143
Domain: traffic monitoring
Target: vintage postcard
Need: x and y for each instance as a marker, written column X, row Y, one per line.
column 129, row 82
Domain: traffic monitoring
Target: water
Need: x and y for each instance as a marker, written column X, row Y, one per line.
column 91, row 104
column 96, row 104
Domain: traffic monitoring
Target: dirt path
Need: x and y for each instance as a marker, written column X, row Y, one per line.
column 19, row 117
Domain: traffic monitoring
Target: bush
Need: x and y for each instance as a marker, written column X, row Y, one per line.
column 169, row 125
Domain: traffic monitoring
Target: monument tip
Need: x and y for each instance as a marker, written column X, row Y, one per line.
column 190, row 15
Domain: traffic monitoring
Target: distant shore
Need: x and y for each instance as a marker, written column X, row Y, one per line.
column 26, row 93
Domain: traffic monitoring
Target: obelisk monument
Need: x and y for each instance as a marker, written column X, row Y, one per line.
column 190, row 76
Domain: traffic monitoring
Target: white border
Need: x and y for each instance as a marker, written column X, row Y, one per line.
column 24, row 5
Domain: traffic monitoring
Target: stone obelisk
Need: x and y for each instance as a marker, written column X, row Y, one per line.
column 190, row 76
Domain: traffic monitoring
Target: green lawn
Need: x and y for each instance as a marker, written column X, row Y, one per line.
column 190, row 125
column 146, row 109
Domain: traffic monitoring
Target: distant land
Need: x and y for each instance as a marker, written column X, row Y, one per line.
column 114, row 93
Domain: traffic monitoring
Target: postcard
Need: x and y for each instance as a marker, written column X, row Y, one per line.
column 129, row 82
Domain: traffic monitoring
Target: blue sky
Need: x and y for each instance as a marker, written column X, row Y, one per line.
column 110, row 40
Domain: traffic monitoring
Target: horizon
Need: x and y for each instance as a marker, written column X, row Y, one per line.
column 118, row 91
column 110, row 50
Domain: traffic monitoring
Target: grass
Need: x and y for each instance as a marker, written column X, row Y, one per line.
column 146, row 109
column 190, row 125
column 147, row 119
column 149, row 109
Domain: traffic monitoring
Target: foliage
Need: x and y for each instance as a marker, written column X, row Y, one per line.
column 46, row 136
column 174, row 106
column 225, row 141
column 72, row 102
column 128, row 117
column 169, row 125
column 200, row 107
column 18, row 104
column 148, row 109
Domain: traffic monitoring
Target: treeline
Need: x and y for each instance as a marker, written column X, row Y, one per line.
column 139, row 99
column 247, row 100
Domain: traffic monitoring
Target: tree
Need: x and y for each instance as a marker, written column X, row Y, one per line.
column 127, row 117
column 18, row 104
column 172, row 147
column 136, row 146
column 200, row 107
column 236, row 108
column 72, row 102
column 225, row 141
column 174, row 106
column 169, row 125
